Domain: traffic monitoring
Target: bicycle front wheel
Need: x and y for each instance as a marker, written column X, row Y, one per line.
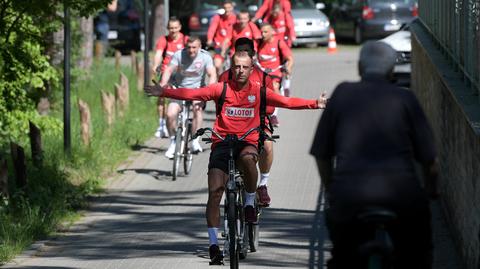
column 232, row 230
column 178, row 153
column 188, row 155
column 253, row 232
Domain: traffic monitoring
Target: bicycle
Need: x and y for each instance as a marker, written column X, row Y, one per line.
column 182, row 136
column 378, row 250
column 238, row 236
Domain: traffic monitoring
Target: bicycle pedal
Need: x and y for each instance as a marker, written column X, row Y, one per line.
column 224, row 235
column 216, row 263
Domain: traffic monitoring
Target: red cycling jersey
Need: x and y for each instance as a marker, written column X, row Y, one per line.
column 267, row 7
column 270, row 54
column 250, row 31
column 256, row 77
column 282, row 26
column 169, row 46
column 241, row 108
column 221, row 28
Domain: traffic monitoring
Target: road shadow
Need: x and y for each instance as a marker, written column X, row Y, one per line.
column 145, row 148
column 155, row 173
column 167, row 225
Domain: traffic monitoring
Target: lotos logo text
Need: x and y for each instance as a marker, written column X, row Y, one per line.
column 240, row 112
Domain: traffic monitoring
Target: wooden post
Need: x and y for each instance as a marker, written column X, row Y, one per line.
column 140, row 76
column 85, row 122
column 121, row 96
column 99, row 47
column 133, row 58
column 36, row 144
column 124, row 82
column 118, row 55
column 18, row 157
column 4, row 178
column 108, row 104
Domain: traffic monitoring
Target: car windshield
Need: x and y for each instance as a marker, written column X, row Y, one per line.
column 213, row 4
column 408, row 2
column 302, row 4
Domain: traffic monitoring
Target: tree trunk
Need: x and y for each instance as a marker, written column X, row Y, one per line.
column 159, row 28
column 86, row 46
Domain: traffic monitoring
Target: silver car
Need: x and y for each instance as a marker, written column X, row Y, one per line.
column 401, row 42
column 311, row 25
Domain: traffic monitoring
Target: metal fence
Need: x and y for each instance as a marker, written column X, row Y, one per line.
column 455, row 25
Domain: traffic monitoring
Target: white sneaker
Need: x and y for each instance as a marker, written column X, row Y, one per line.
column 158, row 132
column 164, row 132
column 196, row 147
column 171, row 150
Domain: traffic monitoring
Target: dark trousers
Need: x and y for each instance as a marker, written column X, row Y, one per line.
column 411, row 235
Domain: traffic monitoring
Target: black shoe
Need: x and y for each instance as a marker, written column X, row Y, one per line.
column 250, row 214
column 216, row 256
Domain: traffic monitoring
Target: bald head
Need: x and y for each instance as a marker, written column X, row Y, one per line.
column 376, row 58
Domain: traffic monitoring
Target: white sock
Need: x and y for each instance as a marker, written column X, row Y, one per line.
column 161, row 122
column 264, row 179
column 212, row 235
column 172, row 139
column 249, row 198
column 275, row 112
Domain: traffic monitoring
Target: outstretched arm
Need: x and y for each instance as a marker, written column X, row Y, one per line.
column 278, row 100
column 202, row 94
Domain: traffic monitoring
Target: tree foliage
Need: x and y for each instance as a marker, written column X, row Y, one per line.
column 24, row 65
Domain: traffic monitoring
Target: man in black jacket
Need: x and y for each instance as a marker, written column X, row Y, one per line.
column 368, row 139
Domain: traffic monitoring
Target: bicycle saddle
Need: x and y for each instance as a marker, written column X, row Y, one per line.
column 377, row 215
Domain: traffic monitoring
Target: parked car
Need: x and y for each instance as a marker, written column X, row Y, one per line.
column 311, row 24
column 126, row 25
column 401, row 42
column 366, row 19
column 204, row 10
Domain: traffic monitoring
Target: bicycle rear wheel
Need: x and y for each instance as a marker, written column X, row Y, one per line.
column 232, row 230
column 178, row 153
column 188, row 155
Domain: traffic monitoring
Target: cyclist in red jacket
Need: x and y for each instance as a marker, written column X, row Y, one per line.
column 240, row 112
column 265, row 12
column 244, row 28
column 220, row 28
column 265, row 160
column 165, row 47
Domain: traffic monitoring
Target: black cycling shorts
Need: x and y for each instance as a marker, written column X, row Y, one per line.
column 220, row 155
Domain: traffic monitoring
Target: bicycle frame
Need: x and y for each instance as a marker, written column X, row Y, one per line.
column 182, row 151
column 234, row 222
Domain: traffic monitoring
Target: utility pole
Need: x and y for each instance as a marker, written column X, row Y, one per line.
column 146, row 27
column 67, row 145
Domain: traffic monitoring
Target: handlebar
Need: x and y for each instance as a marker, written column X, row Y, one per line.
column 281, row 67
column 202, row 131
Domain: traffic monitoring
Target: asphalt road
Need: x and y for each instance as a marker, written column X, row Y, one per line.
column 147, row 221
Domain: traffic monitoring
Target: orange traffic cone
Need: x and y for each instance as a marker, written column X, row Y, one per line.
column 332, row 44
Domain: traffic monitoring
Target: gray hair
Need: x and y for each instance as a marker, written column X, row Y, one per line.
column 376, row 58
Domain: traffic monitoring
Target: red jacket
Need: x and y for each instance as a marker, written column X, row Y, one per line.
column 241, row 108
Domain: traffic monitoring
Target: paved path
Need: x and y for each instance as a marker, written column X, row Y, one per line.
column 147, row 221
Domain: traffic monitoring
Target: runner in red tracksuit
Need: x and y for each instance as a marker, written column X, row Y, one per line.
column 165, row 47
column 239, row 113
column 220, row 28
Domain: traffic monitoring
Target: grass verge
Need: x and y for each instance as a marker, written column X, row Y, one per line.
column 61, row 186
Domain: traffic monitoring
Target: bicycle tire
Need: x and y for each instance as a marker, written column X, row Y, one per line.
column 177, row 155
column 188, row 155
column 253, row 231
column 232, row 230
column 243, row 231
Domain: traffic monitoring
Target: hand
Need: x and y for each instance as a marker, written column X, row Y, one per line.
column 209, row 43
column 322, row 100
column 153, row 90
